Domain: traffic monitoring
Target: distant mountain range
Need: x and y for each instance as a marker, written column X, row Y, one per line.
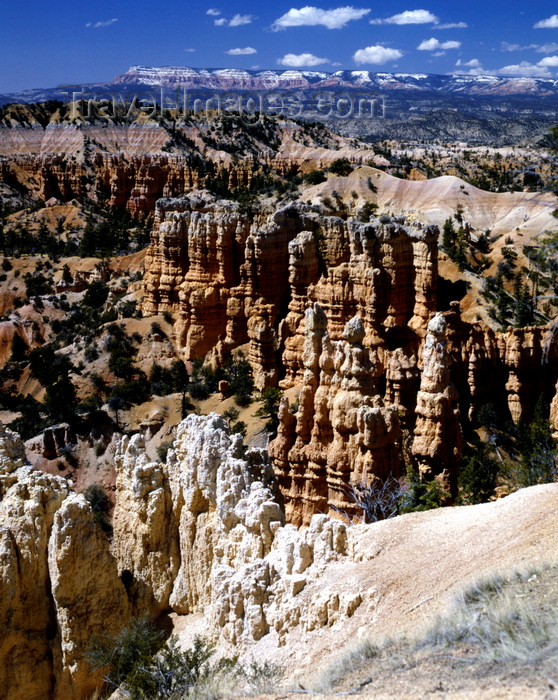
column 478, row 109
column 231, row 78
column 236, row 79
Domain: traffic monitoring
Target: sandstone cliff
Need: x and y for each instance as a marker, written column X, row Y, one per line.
column 132, row 165
column 287, row 284
column 58, row 582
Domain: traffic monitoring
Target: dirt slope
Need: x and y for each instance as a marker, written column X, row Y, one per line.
column 414, row 564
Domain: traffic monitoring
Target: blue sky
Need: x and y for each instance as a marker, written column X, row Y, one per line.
column 43, row 45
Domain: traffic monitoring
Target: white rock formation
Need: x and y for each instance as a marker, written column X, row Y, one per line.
column 239, row 564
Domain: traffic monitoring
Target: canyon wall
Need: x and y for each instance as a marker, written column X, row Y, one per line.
column 344, row 313
column 133, row 165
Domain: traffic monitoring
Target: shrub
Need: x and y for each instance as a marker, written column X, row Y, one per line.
column 91, row 353
column 156, row 329
column 341, row 166
column 96, row 294
column 417, row 495
column 163, row 449
column 368, row 210
column 478, row 474
column 127, row 655
column 376, row 500
column 37, row 285
column 100, row 503
column 19, row 349
column 269, row 408
column 133, row 391
column 239, row 428
column 231, row 414
column 132, row 665
column 314, row 177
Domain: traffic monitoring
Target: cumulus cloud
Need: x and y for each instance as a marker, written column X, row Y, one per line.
column 189, row 50
column 241, row 52
column 550, row 23
column 376, row 54
column 409, row 17
column 236, row 21
column 301, row 60
column 106, row 23
column 436, row 45
column 516, row 70
column 547, row 48
column 451, row 25
column 473, row 63
column 478, row 70
column 314, row 16
column 549, row 61
column 525, row 70
column 213, row 12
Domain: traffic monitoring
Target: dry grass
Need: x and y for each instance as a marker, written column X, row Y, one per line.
column 495, row 624
column 497, row 618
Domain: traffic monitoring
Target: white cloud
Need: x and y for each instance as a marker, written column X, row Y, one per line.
column 314, row 16
column 525, row 70
column 409, row 17
column 548, row 61
column 473, row 63
column 479, row 70
column 213, row 12
column 436, row 45
column 301, row 60
column 505, row 46
column 451, row 25
column 107, row 23
column 539, row 48
column 376, row 55
column 550, row 23
column 239, row 20
column 189, row 50
column 236, row 21
column 241, row 52
column 518, row 70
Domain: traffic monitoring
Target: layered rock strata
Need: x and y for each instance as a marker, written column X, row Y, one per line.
column 231, row 280
column 286, row 285
column 224, row 549
column 205, row 534
column 342, row 432
column 132, row 165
